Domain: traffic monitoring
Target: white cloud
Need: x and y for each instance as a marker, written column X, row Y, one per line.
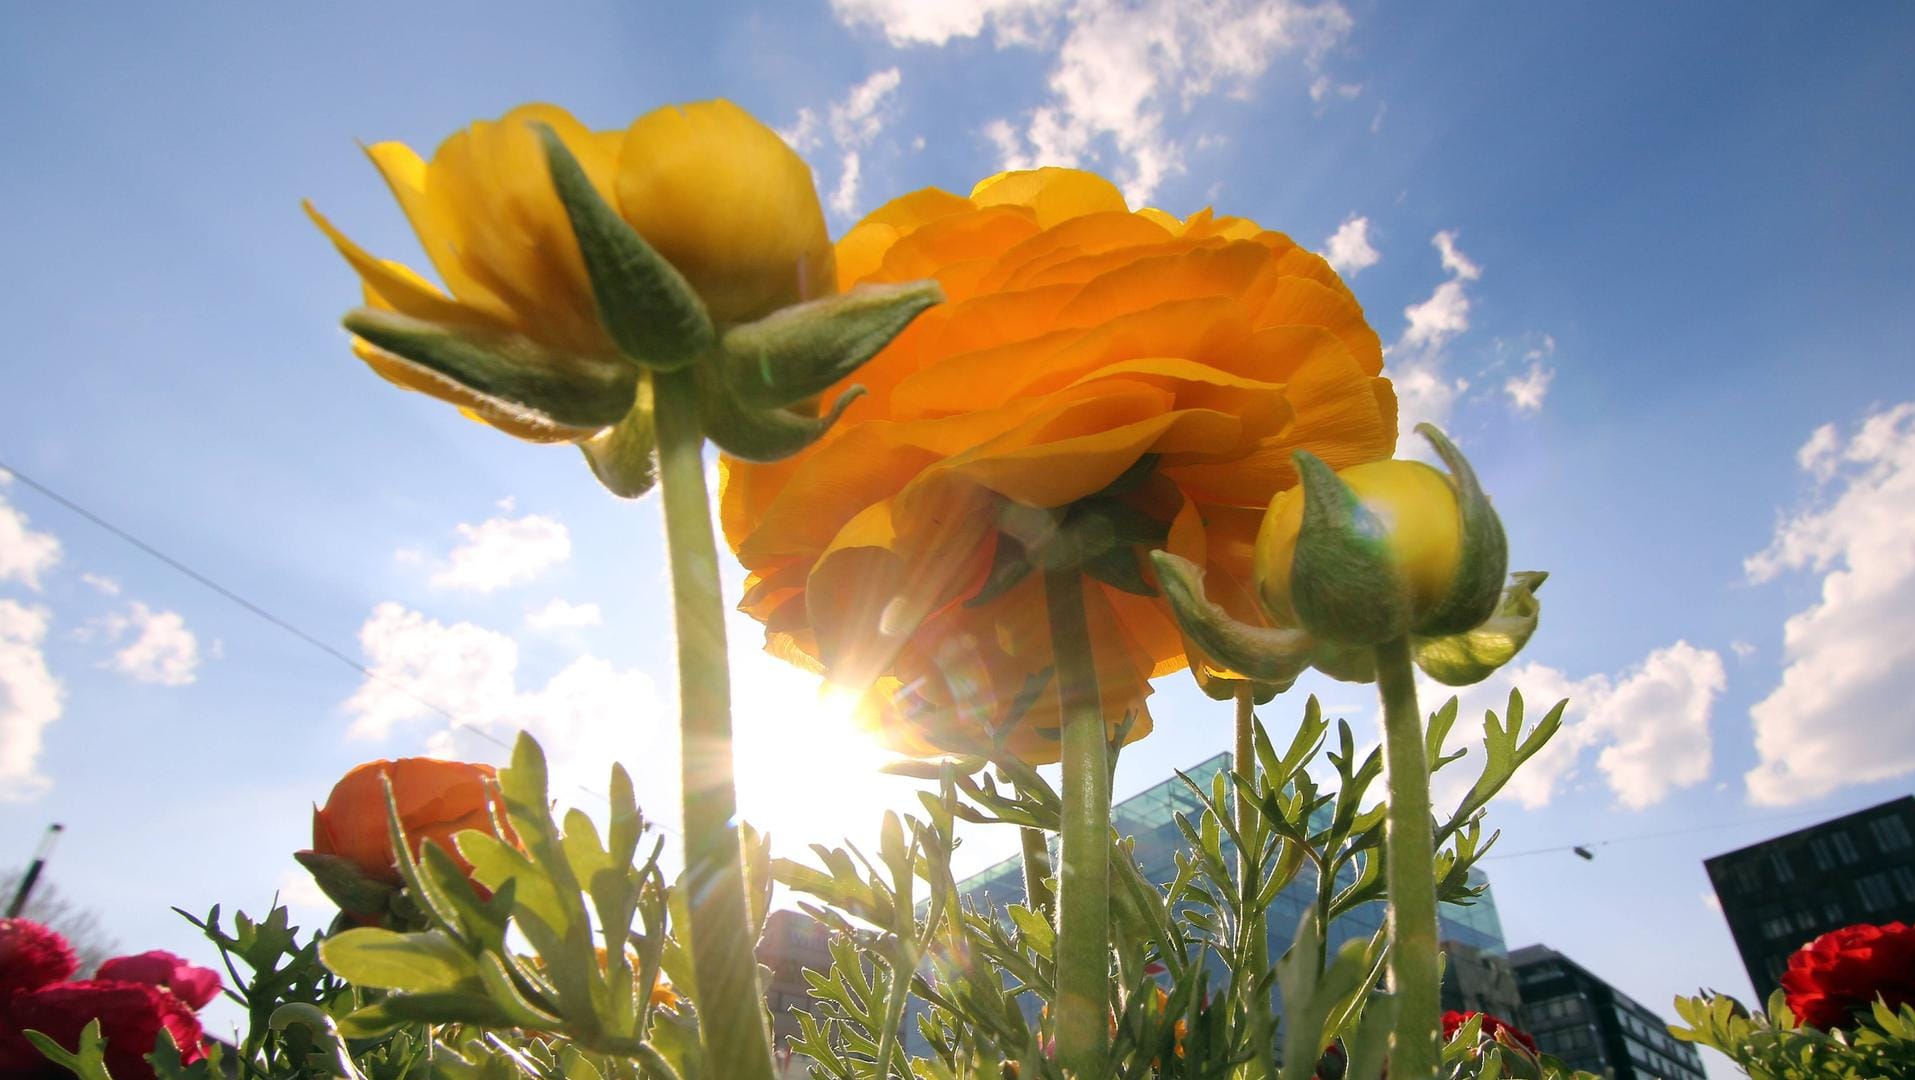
column 586, row 716
column 163, row 651
column 24, row 554
column 1649, row 726
column 1436, row 320
column 1527, row 391
column 1324, row 88
column 502, row 551
column 1838, row 715
column 1121, row 69
column 936, row 22
column 101, row 584
column 1742, row 649
column 844, row 197
column 1454, row 260
column 560, row 614
column 30, row 699
column 1348, row 249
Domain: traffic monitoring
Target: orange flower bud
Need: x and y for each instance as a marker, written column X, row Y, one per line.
column 436, row 800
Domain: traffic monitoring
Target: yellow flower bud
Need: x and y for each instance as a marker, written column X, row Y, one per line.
column 1420, row 521
column 732, row 207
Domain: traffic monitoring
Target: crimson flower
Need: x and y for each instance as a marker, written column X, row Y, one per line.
column 190, row 983
column 1493, row 1026
column 31, row 956
column 131, row 1016
column 1845, row 970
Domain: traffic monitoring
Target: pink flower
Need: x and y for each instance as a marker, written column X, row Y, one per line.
column 31, row 956
column 131, row 1016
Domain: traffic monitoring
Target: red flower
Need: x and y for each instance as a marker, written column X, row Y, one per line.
column 1845, row 970
column 31, row 956
column 131, row 1016
column 1493, row 1026
column 190, row 983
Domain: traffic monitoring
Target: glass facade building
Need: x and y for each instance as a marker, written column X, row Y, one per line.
column 1781, row 893
column 1150, row 817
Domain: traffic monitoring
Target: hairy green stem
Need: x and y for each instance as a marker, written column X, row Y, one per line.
column 731, row 1010
column 1037, row 871
column 1244, row 758
column 1083, row 893
column 1410, row 850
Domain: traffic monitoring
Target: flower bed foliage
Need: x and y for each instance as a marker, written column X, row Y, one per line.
column 1086, row 447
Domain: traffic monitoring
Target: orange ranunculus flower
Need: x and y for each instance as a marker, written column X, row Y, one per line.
column 716, row 192
column 436, row 800
column 1082, row 343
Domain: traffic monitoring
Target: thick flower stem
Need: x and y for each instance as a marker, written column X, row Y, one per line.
column 1410, row 849
column 1083, row 893
column 1244, row 759
column 1037, row 872
column 731, row 1012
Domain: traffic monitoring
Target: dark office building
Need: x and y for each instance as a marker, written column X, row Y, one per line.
column 1479, row 980
column 1779, row 894
column 1593, row 1026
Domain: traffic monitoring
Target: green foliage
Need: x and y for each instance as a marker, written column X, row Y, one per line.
column 1776, row 1046
column 972, row 981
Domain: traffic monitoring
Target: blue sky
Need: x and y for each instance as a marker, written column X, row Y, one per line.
column 1653, row 268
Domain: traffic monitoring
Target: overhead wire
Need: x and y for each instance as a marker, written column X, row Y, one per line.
column 459, row 723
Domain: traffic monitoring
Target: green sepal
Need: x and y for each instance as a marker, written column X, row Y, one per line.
column 1345, row 663
column 345, row 884
column 1344, row 584
column 1264, row 654
column 647, row 307
column 624, row 456
column 1470, row 657
column 1118, row 568
column 1010, row 564
column 1483, row 553
column 803, row 350
column 761, row 434
column 575, row 394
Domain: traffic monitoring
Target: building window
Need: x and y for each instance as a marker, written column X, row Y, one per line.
column 1875, row 891
column 1890, row 833
column 1832, row 913
column 1779, row 863
column 1904, row 882
column 1746, row 878
column 1844, row 847
column 1824, row 858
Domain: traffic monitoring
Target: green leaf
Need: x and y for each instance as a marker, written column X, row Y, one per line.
column 801, row 351
column 87, row 1061
column 576, row 394
column 647, row 307
column 1483, row 558
column 1469, row 657
column 428, row 962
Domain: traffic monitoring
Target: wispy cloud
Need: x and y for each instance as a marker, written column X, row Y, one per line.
column 1527, row 391
column 162, row 651
column 851, row 125
column 1849, row 672
column 1121, row 68
column 1425, row 389
column 503, row 551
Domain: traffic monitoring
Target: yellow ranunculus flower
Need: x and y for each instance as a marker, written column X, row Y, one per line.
column 715, row 191
column 1082, row 342
column 731, row 206
column 1421, row 529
